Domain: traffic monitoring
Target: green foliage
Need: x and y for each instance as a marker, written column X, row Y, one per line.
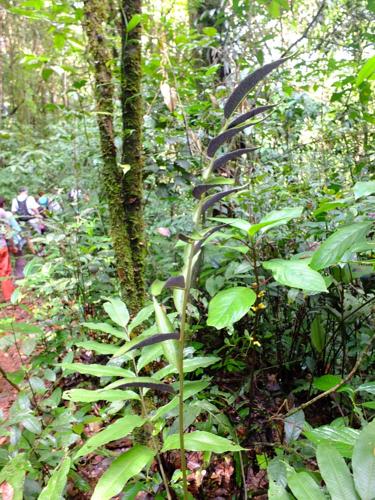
column 121, row 428
column 339, row 481
column 335, row 473
column 201, row 441
column 278, row 296
column 56, row 484
column 121, row 470
column 297, row 274
column 229, row 306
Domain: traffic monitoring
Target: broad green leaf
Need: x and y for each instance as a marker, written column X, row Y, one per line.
column 190, row 365
column 32, row 423
column 47, row 73
column 327, row 382
column 201, row 441
column 141, row 317
column 149, row 354
column 277, row 471
column 328, row 205
column 170, row 347
column 190, row 389
column 318, row 334
column 332, row 249
column 97, row 370
column 342, row 438
column 120, row 429
column 12, row 326
column 133, row 23
column 241, row 224
column 363, row 189
column 278, row 218
column 157, row 287
column 335, row 473
column 209, row 31
column 363, row 462
column 106, row 328
column 117, row 311
column 277, row 492
column 123, row 468
column 369, row 404
column 59, row 40
column 293, row 426
column 367, row 71
column 229, row 306
column 296, row 274
column 28, row 345
column 304, row 487
column 255, row 228
column 367, row 387
column 99, row 347
column 57, row 481
column 86, row 396
column 14, row 473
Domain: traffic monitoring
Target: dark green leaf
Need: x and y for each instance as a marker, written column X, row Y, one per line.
column 241, row 91
column 118, row 430
column 123, row 468
column 229, row 306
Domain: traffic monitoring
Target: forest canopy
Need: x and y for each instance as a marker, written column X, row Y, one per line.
column 187, row 206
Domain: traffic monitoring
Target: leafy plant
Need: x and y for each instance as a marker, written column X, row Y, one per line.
column 339, row 481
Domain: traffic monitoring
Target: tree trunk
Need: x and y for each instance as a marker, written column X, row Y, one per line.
column 132, row 154
column 129, row 251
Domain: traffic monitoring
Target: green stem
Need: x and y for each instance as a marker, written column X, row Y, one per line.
column 183, row 325
column 188, row 279
column 154, row 443
column 243, row 474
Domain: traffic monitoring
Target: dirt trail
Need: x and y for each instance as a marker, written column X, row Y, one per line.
column 10, row 359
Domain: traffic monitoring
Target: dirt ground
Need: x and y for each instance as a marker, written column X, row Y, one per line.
column 11, row 359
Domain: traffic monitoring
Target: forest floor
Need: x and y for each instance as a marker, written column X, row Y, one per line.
column 12, row 359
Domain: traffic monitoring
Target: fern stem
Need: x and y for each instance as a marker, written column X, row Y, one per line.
column 154, row 443
column 183, row 325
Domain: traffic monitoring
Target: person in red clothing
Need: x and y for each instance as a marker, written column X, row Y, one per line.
column 7, row 286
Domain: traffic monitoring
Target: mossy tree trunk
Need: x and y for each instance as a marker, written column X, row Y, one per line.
column 124, row 202
column 132, row 154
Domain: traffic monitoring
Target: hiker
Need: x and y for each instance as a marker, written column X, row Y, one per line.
column 27, row 209
column 7, row 285
column 48, row 206
column 17, row 239
column 74, row 195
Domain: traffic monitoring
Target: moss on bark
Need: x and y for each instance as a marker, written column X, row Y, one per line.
column 124, row 200
column 132, row 154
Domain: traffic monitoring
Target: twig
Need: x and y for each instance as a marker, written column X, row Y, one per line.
column 308, row 28
column 340, row 384
column 5, row 375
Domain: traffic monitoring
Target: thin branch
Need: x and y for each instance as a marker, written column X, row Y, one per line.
column 5, row 375
column 308, row 28
column 340, row 384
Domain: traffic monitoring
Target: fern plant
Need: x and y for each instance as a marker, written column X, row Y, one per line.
column 164, row 338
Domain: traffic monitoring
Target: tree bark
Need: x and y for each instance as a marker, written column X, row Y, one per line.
column 127, row 242
column 132, row 154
